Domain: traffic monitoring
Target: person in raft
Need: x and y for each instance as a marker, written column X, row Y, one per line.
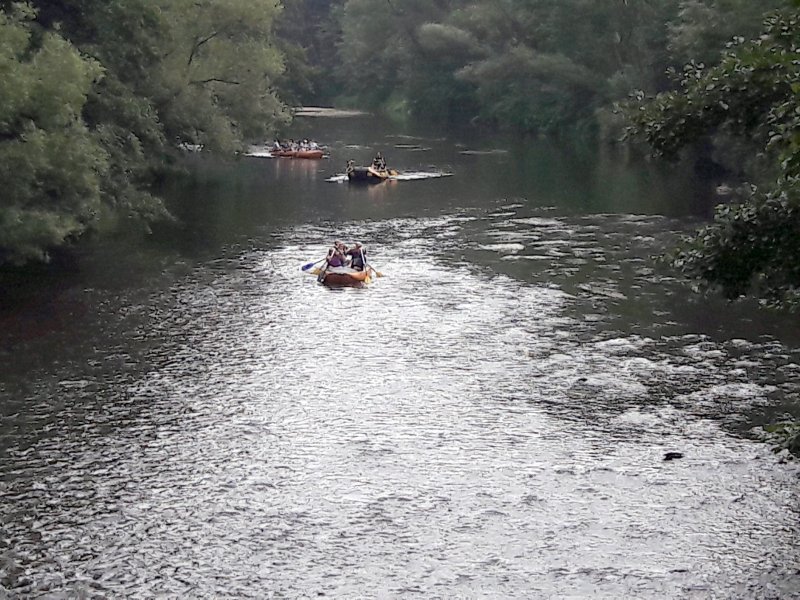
column 336, row 255
column 379, row 163
column 358, row 256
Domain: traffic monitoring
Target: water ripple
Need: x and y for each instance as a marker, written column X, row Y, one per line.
column 461, row 428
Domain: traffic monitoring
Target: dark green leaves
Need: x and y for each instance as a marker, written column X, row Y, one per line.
column 97, row 93
column 752, row 247
column 51, row 164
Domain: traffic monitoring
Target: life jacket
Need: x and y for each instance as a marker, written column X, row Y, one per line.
column 335, row 261
column 359, row 257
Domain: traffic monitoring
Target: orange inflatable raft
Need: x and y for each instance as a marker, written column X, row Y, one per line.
column 343, row 276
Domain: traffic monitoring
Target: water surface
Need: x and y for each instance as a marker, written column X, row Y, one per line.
column 196, row 417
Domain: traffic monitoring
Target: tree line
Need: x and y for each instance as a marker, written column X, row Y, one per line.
column 535, row 65
column 98, row 94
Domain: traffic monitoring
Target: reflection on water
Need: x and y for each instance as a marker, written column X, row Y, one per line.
column 489, row 419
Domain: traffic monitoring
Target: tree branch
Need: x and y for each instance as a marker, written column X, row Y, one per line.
column 198, row 44
column 214, row 80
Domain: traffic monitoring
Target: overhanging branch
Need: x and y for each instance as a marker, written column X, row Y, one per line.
column 214, row 80
column 199, row 44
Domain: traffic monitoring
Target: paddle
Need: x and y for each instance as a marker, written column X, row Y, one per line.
column 371, row 268
column 368, row 267
column 364, row 265
column 321, row 274
column 364, row 261
column 309, row 265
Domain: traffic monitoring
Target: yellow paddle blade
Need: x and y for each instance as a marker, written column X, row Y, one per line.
column 315, row 271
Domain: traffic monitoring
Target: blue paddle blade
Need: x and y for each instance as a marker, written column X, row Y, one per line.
column 306, row 267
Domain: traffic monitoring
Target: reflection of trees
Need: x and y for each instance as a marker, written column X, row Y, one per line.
column 297, row 167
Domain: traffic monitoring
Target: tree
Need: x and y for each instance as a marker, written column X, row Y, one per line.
column 753, row 93
column 51, row 164
column 536, row 65
column 98, row 95
column 214, row 84
column 703, row 28
column 309, row 33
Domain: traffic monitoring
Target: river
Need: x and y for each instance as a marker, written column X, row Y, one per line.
column 192, row 416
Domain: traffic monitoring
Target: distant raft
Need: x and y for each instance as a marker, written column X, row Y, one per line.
column 369, row 174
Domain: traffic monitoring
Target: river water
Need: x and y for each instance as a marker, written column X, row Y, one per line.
column 192, row 416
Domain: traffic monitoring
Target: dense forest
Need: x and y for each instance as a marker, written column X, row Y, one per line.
column 99, row 96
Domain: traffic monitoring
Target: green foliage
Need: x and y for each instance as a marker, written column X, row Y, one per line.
column 783, row 436
column 85, row 137
column 751, row 248
column 308, row 34
column 375, row 52
column 213, row 84
column 750, row 93
column 450, row 42
column 753, row 93
column 50, row 162
column 536, row 65
column 533, row 91
column 703, row 28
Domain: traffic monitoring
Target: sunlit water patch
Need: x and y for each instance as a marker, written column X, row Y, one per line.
column 412, row 147
column 259, row 152
column 327, row 112
column 466, row 426
column 492, row 152
column 404, row 176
